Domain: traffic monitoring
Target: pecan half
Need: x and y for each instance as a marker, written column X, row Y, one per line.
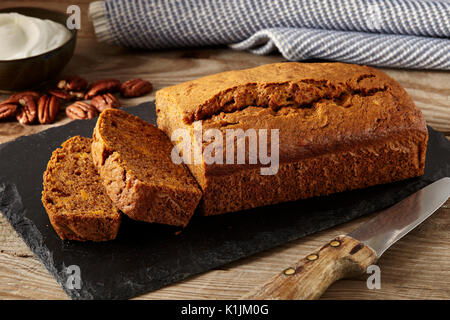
column 67, row 95
column 17, row 96
column 135, row 88
column 81, row 110
column 8, row 109
column 27, row 113
column 72, row 83
column 102, row 86
column 105, row 101
column 48, row 107
column 64, row 95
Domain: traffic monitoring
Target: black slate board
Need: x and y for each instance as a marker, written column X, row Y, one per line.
column 145, row 257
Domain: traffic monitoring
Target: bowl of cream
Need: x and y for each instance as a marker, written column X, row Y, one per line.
column 35, row 45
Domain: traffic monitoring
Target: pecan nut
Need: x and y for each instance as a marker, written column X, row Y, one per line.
column 8, row 108
column 102, row 86
column 135, row 88
column 17, row 96
column 67, row 95
column 81, row 110
column 48, row 108
column 105, row 101
column 61, row 94
column 72, row 83
column 27, row 113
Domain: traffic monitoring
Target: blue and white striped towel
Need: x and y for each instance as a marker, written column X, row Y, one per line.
column 397, row 33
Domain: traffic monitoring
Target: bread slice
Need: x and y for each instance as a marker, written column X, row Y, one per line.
column 74, row 197
column 133, row 158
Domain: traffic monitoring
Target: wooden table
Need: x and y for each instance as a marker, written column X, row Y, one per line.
column 417, row 267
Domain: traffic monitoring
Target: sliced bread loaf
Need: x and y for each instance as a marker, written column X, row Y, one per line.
column 74, row 197
column 134, row 161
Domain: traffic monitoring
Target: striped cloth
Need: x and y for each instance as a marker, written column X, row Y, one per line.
column 396, row 33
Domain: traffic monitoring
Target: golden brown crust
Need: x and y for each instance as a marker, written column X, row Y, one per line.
column 355, row 119
column 133, row 159
column 274, row 86
column 75, row 199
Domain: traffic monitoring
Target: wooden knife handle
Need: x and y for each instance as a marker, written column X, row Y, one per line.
column 310, row 277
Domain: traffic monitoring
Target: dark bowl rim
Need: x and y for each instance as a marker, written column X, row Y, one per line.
column 73, row 33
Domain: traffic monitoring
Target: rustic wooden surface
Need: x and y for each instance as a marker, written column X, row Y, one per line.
column 417, row 267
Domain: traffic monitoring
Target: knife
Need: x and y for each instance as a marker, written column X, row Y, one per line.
column 350, row 255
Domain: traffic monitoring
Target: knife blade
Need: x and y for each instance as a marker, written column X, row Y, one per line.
column 351, row 254
column 392, row 224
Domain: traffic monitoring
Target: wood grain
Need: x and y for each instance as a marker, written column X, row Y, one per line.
column 307, row 279
column 417, row 267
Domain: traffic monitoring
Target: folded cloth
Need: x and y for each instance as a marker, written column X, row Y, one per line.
column 396, row 33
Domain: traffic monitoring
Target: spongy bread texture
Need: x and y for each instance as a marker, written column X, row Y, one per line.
column 74, row 197
column 341, row 127
column 134, row 161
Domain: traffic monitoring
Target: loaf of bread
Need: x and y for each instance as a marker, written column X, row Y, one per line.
column 340, row 127
column 74, row 197
column 134, row 161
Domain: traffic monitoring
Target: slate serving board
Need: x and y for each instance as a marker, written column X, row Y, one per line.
column 145, row 257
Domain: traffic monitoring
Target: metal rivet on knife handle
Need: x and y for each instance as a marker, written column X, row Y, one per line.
column 335, row 243
column 289, row 271
column 312, row 257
